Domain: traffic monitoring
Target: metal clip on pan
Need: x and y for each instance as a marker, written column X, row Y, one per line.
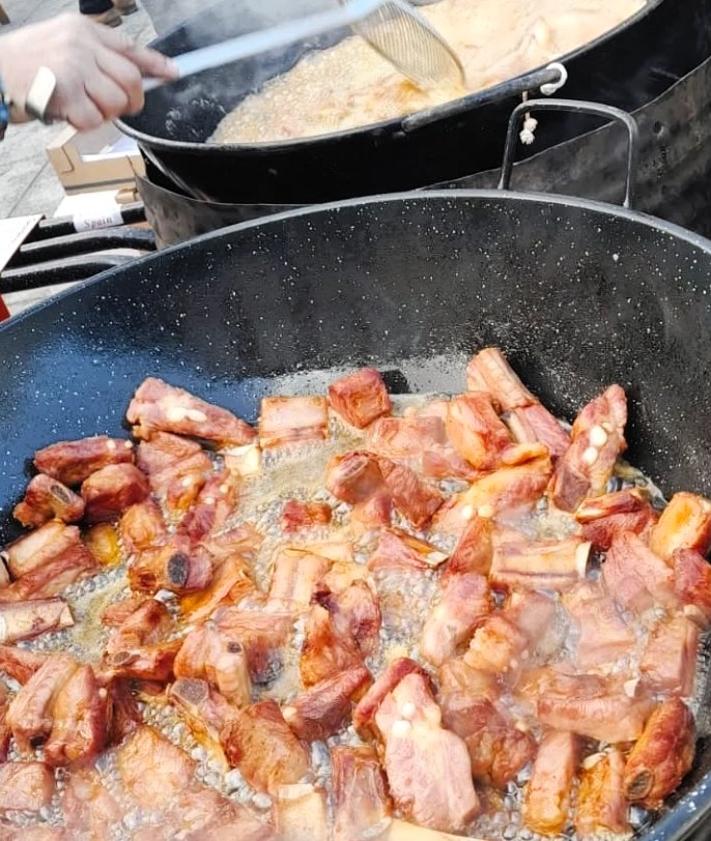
column 576, row 107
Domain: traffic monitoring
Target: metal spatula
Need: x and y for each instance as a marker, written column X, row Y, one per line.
column 392, row 27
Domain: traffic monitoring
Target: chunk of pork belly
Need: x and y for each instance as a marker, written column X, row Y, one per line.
column 662, row 756
column 355, row 615
column 297, row 515
column 530, row 424
column 217, row 659
column 364, row 713
column 292, row 420
column 637, row 578
column 206, row 815
column 354, row 477
column 88, row 808
column 159, row 407
column 261, row 633
column 547, row 797
column 142, row 526
column 39, row 547
column 601, row 804
column 46, row 498
column 296, row 575
column 50, row 579
column 322, row 710
column 176, row 566
column 164, row 450
column 477, row 432
column 396, row 549
column 111, row 490
column 455, row 677
column 489, row 371
column 361, row 802
column 534, row 614
column 692, row 585
column 153, row 770
column 145, row 662
column 301, row 813
column 474, row 549
column 261, row 744
column 71, row 462
column 25, row 620
column 19, row 663
column 148, row 623
column 213, row 505
column 668, row 663
column 412, row 496
column 465, row 601
column 604, row 517
column 179, row 484
column 539, row 565
column 25, row 787
column 229, row 585
column 603, row 636
column 325, row 653
column 684, row 524
column 598, row 440
column 428, row 767
column 242, row 541
column 359, row 398
column 497, row 646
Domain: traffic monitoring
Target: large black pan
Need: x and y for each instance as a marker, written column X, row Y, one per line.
column 580, row 295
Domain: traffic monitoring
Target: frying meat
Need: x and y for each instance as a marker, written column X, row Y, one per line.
column 477, row 432
column 262, row 635
column 25, row 620
column 162, row 451
column 19, row 663
column 355, row 615
column 297, row 573
column 361, row 802
column 299, row 515
column 301, row 813
column 291, row 420
column 325, row 652
column 5, row 732
column 147, row 623
column 111, row 490
column 212, row 507
column 489, row 371
column 208, row 714
column 229, row 585
column 359, row 398
column 474, row 549
column 496, row 646
column 176, row 566
column 636, row 577
column 604, row 517
column 142, row 526
column 465, row 601
column 601, row 804
column 159, row 407
column 102, row 541
column 25, row 787
column 668, row 663
column 39, row 547
column 222, row 662
column 547, row 797
column 414, row 498
column 148, row 662
column 535, row 424
column 397, row 549
column 71, row 462
column 46, row 498
column 603, row 636
column 53, row 577
column 692, row 584
column 539, row 565
column 87, row 806
column 364, row 714
column 685, row 524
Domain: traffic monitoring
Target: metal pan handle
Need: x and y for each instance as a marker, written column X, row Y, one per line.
column 577, row 107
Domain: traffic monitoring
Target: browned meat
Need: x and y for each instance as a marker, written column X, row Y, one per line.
column 456, row 677
column 356, row 478
column 148, row 662
column 159, row 407
column 164, row 450
column 547, row 798
column 477, row 432
column 111, row 490
column 291, row 420
column 685, row 524
column 412, row 496
column 604, row 517
column 52, row 578
column 601, row 804
column 360, row 799
column 71, row 462
column 216, row 658
column 261, row 633
column 496, row 646
column 530, row 424
column 79, row 715
column 176, row 566
column 25, row 620
column 465, row 601
column 603, row 636
column 148, row 623
column 299, row 515
column 474, row 549
column 229, row 585
column 325, row 653
column 25, row 787
column 102, row 541
column 662, row 756
column 360, row 397
column 124, row 713
column 636, row 577
column 214, row 504
column 242, row 541
column 202, row 814
column 206, row 711
column 396, row 549
column 89, row 810
column 539, row 565
column 322, row 710
column 668, row 663
column 46, row 498
column 39, row 547
column 489, row 371
column 692, row 584
column 19, row 663
column 355, row 614
column 261, row 744
column 598, row 440
column 115, row 614
column 296, row 575
column 142, row 526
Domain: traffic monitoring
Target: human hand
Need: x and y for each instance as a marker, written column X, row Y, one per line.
column 99, row 71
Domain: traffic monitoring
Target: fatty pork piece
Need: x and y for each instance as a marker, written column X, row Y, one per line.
column 604, row 517
column 229, row 585
column 176, row 468
column 598, row 440
column 668, row 664
column 213, row 505
column 102, row 541
column 414, row 498
column 159, row 407
column 355, row 614
column 38, row 548
column 601, row 804
column 261, row 633
column 692, row 585
column 465, row 601
column 635, row 577
column 684, row 524
column 325, row 652
column 20, row 663
column 45, row 499
column 25, row 620
column 206, row 711
column 89, row 810
column 355, row 478
column 538, row 565
column 175, row 566
column 297, row 515
column 476, row 431
column 361, row 803
column 359, row 398
column 25, row 787
column 323, row 709
column 602, row 634
column 111, row 490
column 662, row 756
column 147, row 662
column 535, row 424
column 242, row 541
column 428, row 767
column 218, row 659
column 71, row 462
column 547, row 797
column 301, row 813
column 145, row 623
column 295, row 579
column 292, row 420
column 398, row 550
column 142, row 526
column 474, row 549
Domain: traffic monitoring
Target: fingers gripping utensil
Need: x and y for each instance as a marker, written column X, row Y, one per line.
column 397, row 31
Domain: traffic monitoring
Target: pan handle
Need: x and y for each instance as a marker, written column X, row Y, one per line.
column 577, row 107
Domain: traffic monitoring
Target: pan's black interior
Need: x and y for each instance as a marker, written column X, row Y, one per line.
column 579, row 296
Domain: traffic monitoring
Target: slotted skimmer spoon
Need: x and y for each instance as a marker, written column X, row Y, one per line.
column 392, row 27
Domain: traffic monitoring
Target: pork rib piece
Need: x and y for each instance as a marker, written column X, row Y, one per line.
column 46, row 498
column 359, row 398
column 71, row 462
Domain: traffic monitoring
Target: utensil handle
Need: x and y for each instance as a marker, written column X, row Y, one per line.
column 574, row 106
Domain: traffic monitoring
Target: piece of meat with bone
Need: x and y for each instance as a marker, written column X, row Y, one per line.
column 355, row 478
column 692, row 585
column 297, row 515
column 325, row 652
column 663, row 755
column 474, row 549
column 603, row 636
column 416, row 500
column 684, row 524
column 142, row 526
column 465, row 601
column 489, row 371
column 146, row 662
column 53, row 577
column 547, row 797
column 89, row 810
column 360, row 800
column 71, row 462
column 39, row 547
column 261, row 744
column 531, row 424
column 538, row 565
column 46, row 498
column 176, row 566
column 476, row 431
column 604, row 517
column 602, row 808
column 25, row 620
column 427, row 766
column 398, row 550
column 637, row 578
column 159, row 407
column 164, row 450
column 497, row 646
column 359, row 398
column 355, row 614
column 213, row 506
column 220, row 660
column 25, row 787
column 207, row 713
column 323, row 709
column 297, row 573
column 19, row 663
column 241, row 541
column 598, row 440
column 229, row 585
column 148, row 623
column 292, row 420
column 261, row 633
column 668, row 664
column 111, row 490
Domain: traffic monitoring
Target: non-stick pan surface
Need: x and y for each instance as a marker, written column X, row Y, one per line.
column 578, row 294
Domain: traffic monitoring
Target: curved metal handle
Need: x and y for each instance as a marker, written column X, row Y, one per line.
column 576, row 107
